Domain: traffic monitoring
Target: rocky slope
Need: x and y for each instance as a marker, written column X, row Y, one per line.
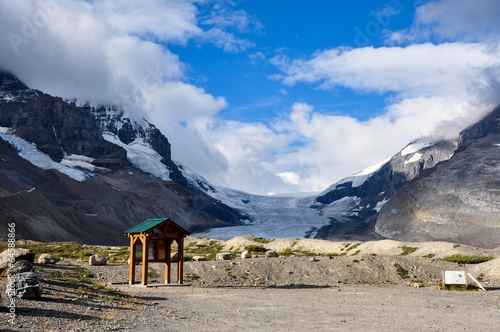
column 92, row 177
column 457, row 200
column 366, row 192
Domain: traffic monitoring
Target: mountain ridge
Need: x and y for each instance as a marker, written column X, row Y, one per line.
column 89, row 185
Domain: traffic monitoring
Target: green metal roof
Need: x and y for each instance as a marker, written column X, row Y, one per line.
column 146, row 225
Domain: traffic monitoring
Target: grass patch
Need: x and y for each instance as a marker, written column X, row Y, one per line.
column 354, row 246
column 429, row 256
column 458, row 288
column 288, row 252
column 401, row 271
column 407, row 250
column 210, row 250
column 70, row 250
column 463, row 259
column 255, row 248
column 261, row 240
column 192, row 276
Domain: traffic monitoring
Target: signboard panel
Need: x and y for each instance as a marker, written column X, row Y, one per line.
column 455, row 278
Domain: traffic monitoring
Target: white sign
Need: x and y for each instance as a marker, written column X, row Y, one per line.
column 455, row 278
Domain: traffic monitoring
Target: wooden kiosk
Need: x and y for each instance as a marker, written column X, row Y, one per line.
column 151, row 241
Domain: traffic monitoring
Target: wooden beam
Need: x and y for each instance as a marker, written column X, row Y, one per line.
column 145, row 249
column 180, row 253
column 168, row 261
column 131, row 274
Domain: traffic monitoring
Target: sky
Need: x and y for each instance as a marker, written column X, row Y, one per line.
column 267, row 97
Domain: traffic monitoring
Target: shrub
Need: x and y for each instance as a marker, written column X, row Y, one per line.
column 463, row 259
column 401, row 271
column 255, row 248
column 407, row 250
column 261, row 240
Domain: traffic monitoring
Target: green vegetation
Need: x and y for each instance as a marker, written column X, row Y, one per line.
column 429, row 256
column 407, row 250
column 70, row 250
column 255, row 248
column 192, row 276
column 463, row 259
column 459, row 288
column 261, row 240
column 401, row 271
column 209, row 250
column 354, row 246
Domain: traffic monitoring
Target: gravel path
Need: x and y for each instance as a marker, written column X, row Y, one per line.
column 315, row 299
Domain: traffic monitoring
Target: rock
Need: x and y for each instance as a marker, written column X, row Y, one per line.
column 48, row 259
column 174, row 257
column 246, row 254
column 223, row 256
column 313, row 259
column 25, row 285
column 97, row 260
column 19, row 267
column 271, row 253
column 7, row 258
column 199, row 258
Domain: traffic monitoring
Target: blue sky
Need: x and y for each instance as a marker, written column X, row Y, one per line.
column 297, row 31
column 267, row 97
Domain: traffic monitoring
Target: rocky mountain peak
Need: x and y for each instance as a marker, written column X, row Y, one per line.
column 10, row 83
column 488, row 126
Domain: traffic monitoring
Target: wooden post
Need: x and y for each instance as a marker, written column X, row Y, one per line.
column 145, row 249
column 168, row 261
column 131, row 273
column 180, row 260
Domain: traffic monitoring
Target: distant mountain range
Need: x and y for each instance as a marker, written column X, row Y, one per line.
column 86, row 173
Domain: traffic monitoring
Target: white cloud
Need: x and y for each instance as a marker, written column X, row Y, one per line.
column 422, row 69
column 459, row 20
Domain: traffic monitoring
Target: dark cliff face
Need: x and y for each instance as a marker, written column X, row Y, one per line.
column 458, row 200
column 100, row 208
column 56, row 127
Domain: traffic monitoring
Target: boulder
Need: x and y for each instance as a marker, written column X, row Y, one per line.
column 223, row 256
column 19, row 267
column 10, row 257
column 271, row 253
column 199, row 258
column 48, row 259
column 246, row 254
column 24, row 285
column 97, row 260
column 174, row 257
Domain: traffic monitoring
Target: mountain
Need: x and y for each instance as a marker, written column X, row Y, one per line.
column 87, row 173
column 352, row 204
column 458, row 200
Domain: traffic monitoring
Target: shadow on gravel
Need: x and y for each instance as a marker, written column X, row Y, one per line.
column 30, row 312
column 53, row 266
column 298, row 286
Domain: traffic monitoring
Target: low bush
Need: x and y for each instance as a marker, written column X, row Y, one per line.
column 463, row 259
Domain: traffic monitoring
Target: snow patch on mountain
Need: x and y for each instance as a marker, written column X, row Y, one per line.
column 84, row 162
column 141, row 155
column 416, row 157
column 30, row 152
column 359, row 178
column 415, row 146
